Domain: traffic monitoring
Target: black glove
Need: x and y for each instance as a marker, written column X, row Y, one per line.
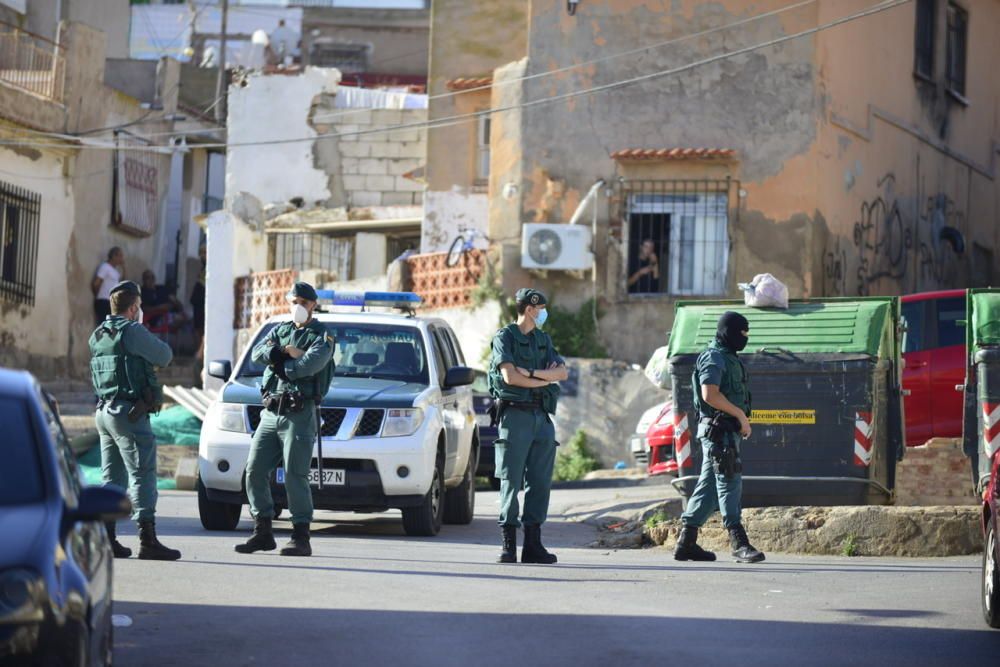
column 278, row 357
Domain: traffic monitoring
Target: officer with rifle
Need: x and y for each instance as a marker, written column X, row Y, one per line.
column 298, row 358
column 123, row 360
column 722, row 398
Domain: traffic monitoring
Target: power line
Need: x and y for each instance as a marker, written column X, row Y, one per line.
column 458, row 118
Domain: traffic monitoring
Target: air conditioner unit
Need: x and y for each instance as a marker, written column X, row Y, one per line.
column 559, row 247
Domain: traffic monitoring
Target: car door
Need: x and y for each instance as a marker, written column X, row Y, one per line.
column 947, row 367
column 450, row 405
column 466, row 397
column 917, row 373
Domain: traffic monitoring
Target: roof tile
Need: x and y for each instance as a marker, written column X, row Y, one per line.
column 674, row 154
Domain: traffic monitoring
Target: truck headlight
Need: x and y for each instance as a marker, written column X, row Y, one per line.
column 22, row 595
column 402, row 421
column 231, row 418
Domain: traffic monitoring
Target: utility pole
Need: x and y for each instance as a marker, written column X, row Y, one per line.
column 220, row 83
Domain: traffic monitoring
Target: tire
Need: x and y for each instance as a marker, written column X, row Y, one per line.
column 460, row 502
column 425, row 519
column 455, row 251
column 495, row 483
column 991, row 578
column 215, row 515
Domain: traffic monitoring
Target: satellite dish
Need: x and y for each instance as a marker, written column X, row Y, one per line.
column 544, row 246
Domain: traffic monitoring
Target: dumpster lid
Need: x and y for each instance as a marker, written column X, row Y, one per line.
column 985, row 307
column 818, row 326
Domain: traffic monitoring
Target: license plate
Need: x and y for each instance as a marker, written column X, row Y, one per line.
column 331, row 477
column 483, row 420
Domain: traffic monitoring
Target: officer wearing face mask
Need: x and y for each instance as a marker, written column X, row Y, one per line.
column 525, row 370
column 123, row 358
column 722, row 398
column 298, row 359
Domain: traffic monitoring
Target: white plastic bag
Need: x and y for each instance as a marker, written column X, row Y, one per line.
column 765, row 291
column 658, row 369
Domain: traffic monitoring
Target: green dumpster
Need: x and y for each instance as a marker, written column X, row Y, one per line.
column 981, row 432
column 827, row 409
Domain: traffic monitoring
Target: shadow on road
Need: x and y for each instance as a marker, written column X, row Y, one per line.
column 188, row 635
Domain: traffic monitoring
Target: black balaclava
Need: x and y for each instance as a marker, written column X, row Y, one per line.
column 730, row 331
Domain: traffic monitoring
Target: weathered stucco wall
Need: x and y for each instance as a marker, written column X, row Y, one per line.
column 397, row 39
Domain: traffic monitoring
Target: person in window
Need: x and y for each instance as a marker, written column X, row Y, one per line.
column 646, row 279
column 108, row 275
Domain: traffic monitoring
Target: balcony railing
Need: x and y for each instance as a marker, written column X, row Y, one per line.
column 32, row 63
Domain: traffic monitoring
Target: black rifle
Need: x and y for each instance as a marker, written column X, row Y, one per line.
column 319, row 441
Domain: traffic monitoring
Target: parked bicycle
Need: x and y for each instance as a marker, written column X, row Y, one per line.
column 463, row 244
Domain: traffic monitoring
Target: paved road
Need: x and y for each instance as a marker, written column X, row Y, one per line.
column 370, row 596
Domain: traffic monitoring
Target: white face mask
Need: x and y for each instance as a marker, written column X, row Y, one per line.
column 300, row 314
column 138, row 316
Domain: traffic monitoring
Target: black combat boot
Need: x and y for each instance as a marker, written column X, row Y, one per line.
column 262, row 538
column 150, row 547
column 299, row 544
column 117, row 548
column 533, row 551
column 509, row 553
column 687, row 546
column 743, row 551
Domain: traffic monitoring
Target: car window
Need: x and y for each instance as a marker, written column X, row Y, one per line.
column 459, row 356
column 913, row 316
column 69, row 473
column 447, row 350
column 380, row 351
column 21, row 479
column 950, row 312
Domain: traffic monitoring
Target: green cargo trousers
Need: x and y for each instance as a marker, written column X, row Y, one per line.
column 525, row 455
column 128, row 456
column 290, row 437
column 714, row 492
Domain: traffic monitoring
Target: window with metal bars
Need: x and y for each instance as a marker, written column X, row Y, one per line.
column 923, row 59
column 958, row 31
column 20, row 210
column 677, row 236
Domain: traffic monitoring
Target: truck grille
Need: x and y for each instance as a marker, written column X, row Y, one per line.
column 333, row 418
column 370, row 423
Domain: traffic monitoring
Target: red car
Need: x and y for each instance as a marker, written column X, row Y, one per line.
column 660, row 443
column 991, row 553
column 934, row 352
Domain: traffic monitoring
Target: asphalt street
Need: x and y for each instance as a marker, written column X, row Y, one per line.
column 372, row 596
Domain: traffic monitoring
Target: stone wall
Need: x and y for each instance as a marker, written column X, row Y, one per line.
column 937, row 473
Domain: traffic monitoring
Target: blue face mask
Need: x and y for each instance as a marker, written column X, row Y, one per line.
column 541, row 317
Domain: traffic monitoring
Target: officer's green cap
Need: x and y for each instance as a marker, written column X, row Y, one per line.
column 127, row 286
column 303, row 291
column 529, row 297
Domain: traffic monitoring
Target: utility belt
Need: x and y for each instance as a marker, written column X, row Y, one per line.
column 501, row 405
column 724, row 452
column 286, row 403
column 140, row 407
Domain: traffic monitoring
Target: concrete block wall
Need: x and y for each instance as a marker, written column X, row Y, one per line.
column 372, row 165
column 937, row 473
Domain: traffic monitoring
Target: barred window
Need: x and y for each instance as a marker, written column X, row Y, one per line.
column 677, row 236
column 958, row 30
column 19, row 219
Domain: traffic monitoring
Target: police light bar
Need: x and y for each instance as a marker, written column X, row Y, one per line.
column 404, row 300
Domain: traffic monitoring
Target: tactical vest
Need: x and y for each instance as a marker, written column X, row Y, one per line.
column 314, row 386
column 531, row 353
column 735, row 383
column 116, row 374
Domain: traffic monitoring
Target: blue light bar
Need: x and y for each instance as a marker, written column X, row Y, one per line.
column 405, row 300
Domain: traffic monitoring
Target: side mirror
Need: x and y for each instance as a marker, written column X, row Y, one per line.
column 221, row 369
column 101, row 503
column 459, row 376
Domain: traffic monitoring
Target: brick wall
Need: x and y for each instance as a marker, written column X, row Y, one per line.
column 937, row 473
column 372, row 165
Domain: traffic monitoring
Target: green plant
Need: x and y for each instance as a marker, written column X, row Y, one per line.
column 574, row 333
column 656, row 519
column 575, row 460
column 850, row 546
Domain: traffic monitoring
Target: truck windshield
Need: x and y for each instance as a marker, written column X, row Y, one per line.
column 377, row 351
column 21, row 481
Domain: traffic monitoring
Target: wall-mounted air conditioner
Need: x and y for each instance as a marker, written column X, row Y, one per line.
column 558, row 247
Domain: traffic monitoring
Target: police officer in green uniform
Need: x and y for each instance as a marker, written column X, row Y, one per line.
column 298, row 356
column 722, row 397
column 525, row 370
column 123, row 358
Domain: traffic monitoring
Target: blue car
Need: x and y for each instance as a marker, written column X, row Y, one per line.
column 482, row 402
column 55, row 556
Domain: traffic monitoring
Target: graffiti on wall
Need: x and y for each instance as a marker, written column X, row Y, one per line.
column 897, row 244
